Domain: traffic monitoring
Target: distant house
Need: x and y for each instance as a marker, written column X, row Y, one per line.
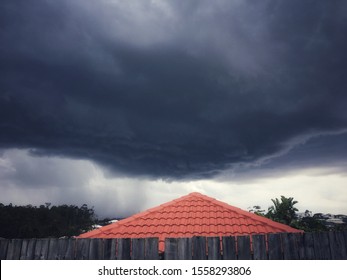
column 191, row 215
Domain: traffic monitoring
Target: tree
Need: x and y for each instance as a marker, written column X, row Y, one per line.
column 256, row 209
column 283, row 210
column 41, row 222
column 309, row 224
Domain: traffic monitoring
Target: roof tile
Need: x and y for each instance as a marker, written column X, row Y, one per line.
column 191, row 215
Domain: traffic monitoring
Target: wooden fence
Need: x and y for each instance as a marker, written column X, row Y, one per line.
column 289, row 246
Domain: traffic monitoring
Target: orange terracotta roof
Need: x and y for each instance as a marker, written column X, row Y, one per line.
column 191, row 215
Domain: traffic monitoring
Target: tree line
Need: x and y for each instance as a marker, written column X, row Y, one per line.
column 284, row 211
column 45, row 221
column 70, row 220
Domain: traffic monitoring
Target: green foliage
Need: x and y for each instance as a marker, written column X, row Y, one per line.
column 40, row 222
column 283, row 210
column 257, row 210
column 310, row 224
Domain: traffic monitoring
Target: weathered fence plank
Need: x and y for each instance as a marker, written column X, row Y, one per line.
column 244, row 247
column 213, row 248
column 317, row 247
column 38, row 250
column 309, row 253
column 24, row 250
column 3, row 248
column 300, row 245
column 171, row 250
column 151, row 248
column 290, row 248
column 14, row 249
column 53, row 250
column 82, row 248
column 345, row 236
column 113, row 249
column 343, row 244
column 199, row 248
column 336, row 245
column 184, row 248
column 229, row 248
column 138, row 249
column 275, row 247
column 259, row 247
column 67, row 249
column 107, row 249
column 30, row 254
column 321, row 246
column 325, row 244
column 44, row 248
column 124, row 247
column 96, row 251
column 61, row 249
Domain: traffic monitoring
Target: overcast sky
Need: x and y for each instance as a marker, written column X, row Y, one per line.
column 127, row 104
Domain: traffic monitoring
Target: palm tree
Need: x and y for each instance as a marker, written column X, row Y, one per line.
column 283, row 210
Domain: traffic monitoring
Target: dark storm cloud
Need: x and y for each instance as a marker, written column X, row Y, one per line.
column 167, row 90
column 321, row 154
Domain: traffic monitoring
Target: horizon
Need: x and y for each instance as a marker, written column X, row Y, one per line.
column 120, row 217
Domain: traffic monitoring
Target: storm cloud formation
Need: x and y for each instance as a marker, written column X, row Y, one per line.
column 169, row 89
